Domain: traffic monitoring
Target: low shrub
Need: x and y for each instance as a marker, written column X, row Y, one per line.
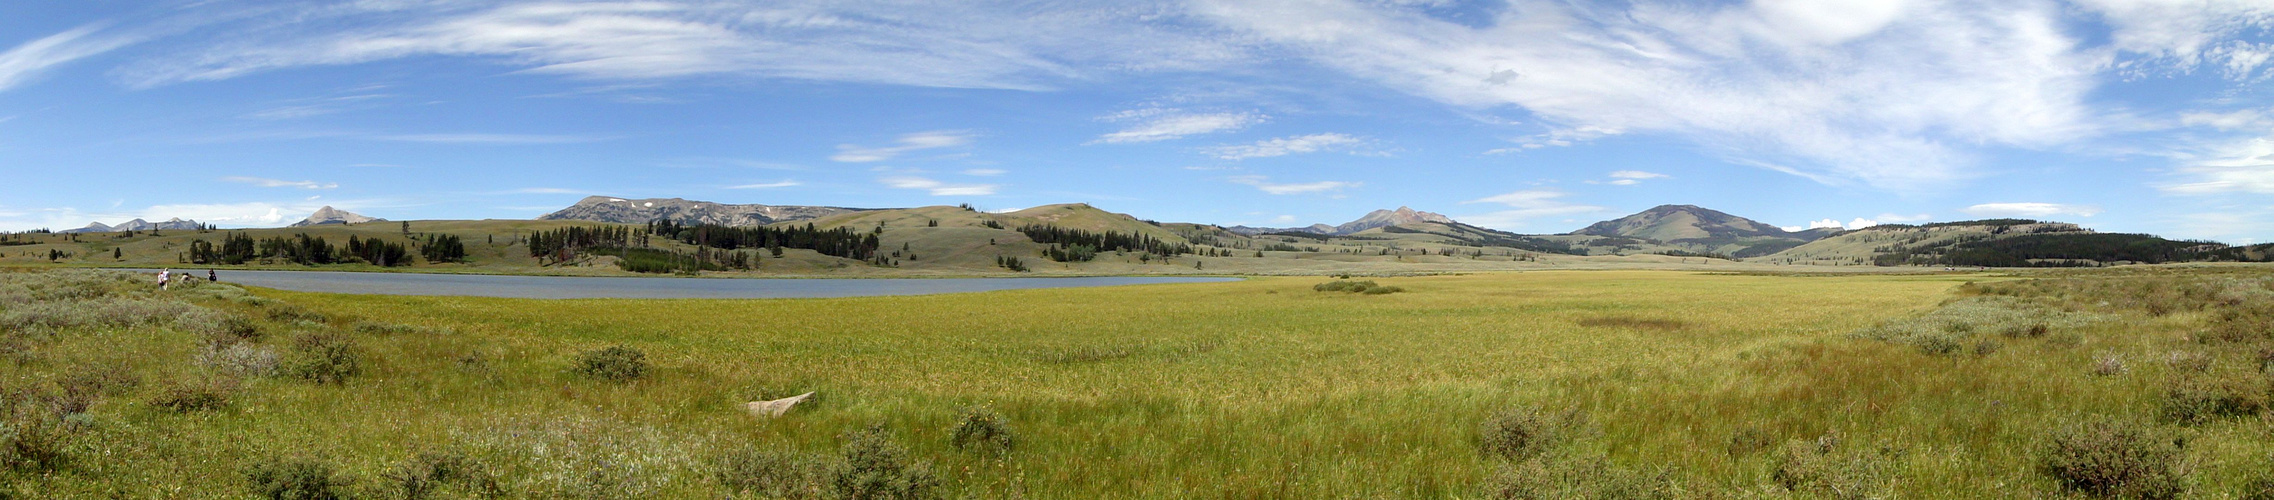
column 1986, row 347
column 196, row 396
column 1521, row 433
column 1555, row 478
column 1828, row 467
column 324, row 358
column 33, row 440
column 2188, row 361
column 2116, row 459
column 876, row 468
column 220, row 328
column 296, row 479
column 293, row 313
column 614, row 363
column 376, row 328
column 983, row 429
column 431, row 473
column 239, row 360
column 2198, row 400
column 2107, row 365
column 1368, row 287
column 1749, row 440
column 2026, row 331
column 771, row 474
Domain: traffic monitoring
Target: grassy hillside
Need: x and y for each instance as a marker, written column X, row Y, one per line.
column 1687, row 385
column 928, row 241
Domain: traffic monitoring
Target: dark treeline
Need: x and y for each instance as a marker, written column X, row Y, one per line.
column 840, row 242
column 1075, row 243
column 440, row 248
column 562, row 245
column 236, row 248
column 375, row 252
column 2062, row 250
column 650, row 260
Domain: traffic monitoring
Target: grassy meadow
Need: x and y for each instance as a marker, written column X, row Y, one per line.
column 1512, row 385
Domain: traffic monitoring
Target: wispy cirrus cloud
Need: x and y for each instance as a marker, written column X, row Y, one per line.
column 263, row 182
column 1264, row 184
column 852, row 153
column 769, row 185
column 1284, row 146
column 1525, row 208
column 931, row 44
column 1840, row 90
column 937, row 188
column 1158, row 124
column 25, row 62
column 2030, row 209
column 1629, row 177
column 477, row 138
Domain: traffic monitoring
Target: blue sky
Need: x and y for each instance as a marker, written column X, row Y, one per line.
column 1531, row 116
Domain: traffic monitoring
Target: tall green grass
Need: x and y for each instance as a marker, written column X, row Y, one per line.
column 1690, row 385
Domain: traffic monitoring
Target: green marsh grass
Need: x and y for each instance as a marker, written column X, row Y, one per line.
column 1247, row 390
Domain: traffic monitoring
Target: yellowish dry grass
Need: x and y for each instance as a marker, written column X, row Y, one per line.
column 1262, row 388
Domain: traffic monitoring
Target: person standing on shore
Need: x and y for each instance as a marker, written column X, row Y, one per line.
column 210, row 277
column 165, row 277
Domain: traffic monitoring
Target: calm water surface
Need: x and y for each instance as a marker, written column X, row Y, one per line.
column 556, row 287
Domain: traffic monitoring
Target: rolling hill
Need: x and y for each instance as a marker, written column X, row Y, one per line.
column 642, row 211
column 1083, row 239
column 2007, row 243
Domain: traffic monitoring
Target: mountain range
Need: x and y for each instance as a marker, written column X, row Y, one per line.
column 330, row 216
column 1377, row 218
column 963, row 236
column 641, row 211
column 137, row 225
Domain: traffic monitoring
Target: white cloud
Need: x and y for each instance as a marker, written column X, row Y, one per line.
column 1264, row 184
column 1524, row 207
column 1826, row 224
column 304, row 108
column 282, row 183
column 1628, row 178
column 985, row 172
column 25, row 62
column 932, row 44
column 2179, row 36
column 485, row 138
column 1884, row 92
column 2030, row 210
column 1284, row 219
column 2232, row 120
column 1560, row 137
column 851, row 153
column 1286, row 146
column 2241, row 166
column 545, row 190
column 938, row 188
column 770, row 185
column 1157, row 124
column 247, row 214
column 1861, row 223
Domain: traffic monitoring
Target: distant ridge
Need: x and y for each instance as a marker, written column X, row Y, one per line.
column 641, row 211
column 331, row 216
column 136, row 225
column 1685, row 222
column 1378, row 218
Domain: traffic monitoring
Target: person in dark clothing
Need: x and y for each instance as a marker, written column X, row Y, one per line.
column 210, row 276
